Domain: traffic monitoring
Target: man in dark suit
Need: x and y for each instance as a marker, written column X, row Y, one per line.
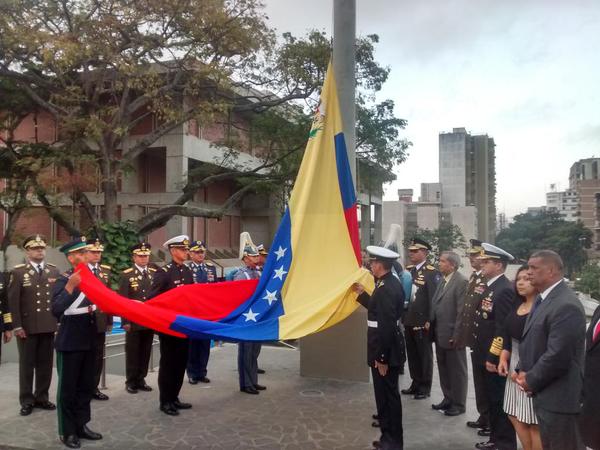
column 590, row 418
column 551, row 354
column 385, row 349
column 446, row 314
column 173, row 349
column 496, row 302
column 5, row 315
column 135, row 284
column 416, row 322
column 204, row 272
column 75, row 350
column 33, row 323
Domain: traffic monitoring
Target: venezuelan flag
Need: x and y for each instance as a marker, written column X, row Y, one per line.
column 313, row 261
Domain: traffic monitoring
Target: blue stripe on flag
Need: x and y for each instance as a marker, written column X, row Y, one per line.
column 344, row 173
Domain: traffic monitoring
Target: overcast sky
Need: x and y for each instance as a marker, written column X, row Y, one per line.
column 527, row 73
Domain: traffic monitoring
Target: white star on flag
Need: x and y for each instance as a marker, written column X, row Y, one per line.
column 250, row 315
column 270, row 296
column 279, row 273
column 280, row 252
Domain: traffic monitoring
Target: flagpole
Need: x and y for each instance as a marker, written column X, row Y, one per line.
column 344, row 63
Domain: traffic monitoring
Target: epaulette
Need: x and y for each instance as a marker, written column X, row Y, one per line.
column 430, row 267
column 104, row 266
column 50, row 265
column 167, row 267
column 66, row 274
column 410, row 266
column 128, row 270
column 19, row 266
column 496, row 347
column 208, row 263
column 151, row 269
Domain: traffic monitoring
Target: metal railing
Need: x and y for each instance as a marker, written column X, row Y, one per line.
column 116, row 344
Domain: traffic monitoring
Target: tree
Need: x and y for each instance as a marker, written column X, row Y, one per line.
column 102, row 68
column 547, row 230
column 447, row 237
column 588, row 280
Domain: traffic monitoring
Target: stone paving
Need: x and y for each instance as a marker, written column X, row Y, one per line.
column 294, row 413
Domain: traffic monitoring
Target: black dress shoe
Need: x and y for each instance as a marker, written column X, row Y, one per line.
column 420, row 396
column 131, row 389
column 375, row 424
column 249, row 390
column 86, row 433
column 169, row 409
column 484, row 432
column 443, row 405
column 260, row 387
column 72, row 441
column 181, row 405
column 49, row 406
column 99, row 395
column 376, row 444
column 204, row 380
column 192, row 381
column 453, row 411
column 486, row 446
column 375, row 416
column 410, row 391
column 477, row 423
column 26, row 410
column 144, row 387
column 261, row 371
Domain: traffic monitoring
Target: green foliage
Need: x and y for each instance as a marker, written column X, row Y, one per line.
column 588, row 280
column 446, row 237
column 547, row 230
column 118, row 238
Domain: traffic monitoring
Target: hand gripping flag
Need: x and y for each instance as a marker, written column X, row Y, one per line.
column 306, row 284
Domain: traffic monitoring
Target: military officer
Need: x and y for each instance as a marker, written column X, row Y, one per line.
column 135, row 283
column 495, row 303
column 5, row 315
column 262, row 256
column 75, row 350
column 385, row 346
column 475, row 288
column 204, row 272
column 173, row 350
column 416, row 322
column 248, row 351
column 33, row 323
column 104, row 322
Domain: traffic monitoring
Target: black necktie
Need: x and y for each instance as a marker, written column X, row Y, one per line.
column 538, row 302
column 39, row 269
column 96, row 271
column 144, row 273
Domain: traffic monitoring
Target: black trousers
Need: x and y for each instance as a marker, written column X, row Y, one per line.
column 99, row 359
column 559, row 431
column 420, row 359
column 481, row 400
column 138, row 347
column 389, row 408
column 248, row 363
column 502, row 431
column 198, row 358
column 36, row 353
column 589, row 427
column 171, row 369
column 454, row 378
column 75, row 389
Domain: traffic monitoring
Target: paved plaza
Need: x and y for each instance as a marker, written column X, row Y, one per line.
column 294, row 413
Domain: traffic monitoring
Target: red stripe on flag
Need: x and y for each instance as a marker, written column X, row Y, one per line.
column 352, row 222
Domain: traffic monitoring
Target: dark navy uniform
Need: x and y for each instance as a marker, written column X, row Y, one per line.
column 5, row 315
column 199, row 354
column 75, row 345
column 418, row 341
column 135, row 284
column 386, row 345
column 173, row 350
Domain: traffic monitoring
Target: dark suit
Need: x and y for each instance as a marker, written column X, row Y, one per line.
column 103, row 322
column 496, row 303
column 551, row 353
column 5, row 315
column 135, row 285
column 76, row 351
column 173, row 350
column 446, row 316
column 590, row 413
column 418, row 339
column 29, row 304
column 200, row 348
column 385, row 345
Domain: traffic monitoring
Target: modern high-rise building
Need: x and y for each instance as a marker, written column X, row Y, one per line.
column 468, row 177
column 584, row 179
column 566, row 203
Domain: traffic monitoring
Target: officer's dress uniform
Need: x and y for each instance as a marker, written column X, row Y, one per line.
column 76, row 356
column 29, row 296
column 199, row 354
column 248, row 352
column 496, row 303
column 5, row 315
column 418, row 341
column 135, row 284
column 173, row 350
column 385, row 345
column 103, row 322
